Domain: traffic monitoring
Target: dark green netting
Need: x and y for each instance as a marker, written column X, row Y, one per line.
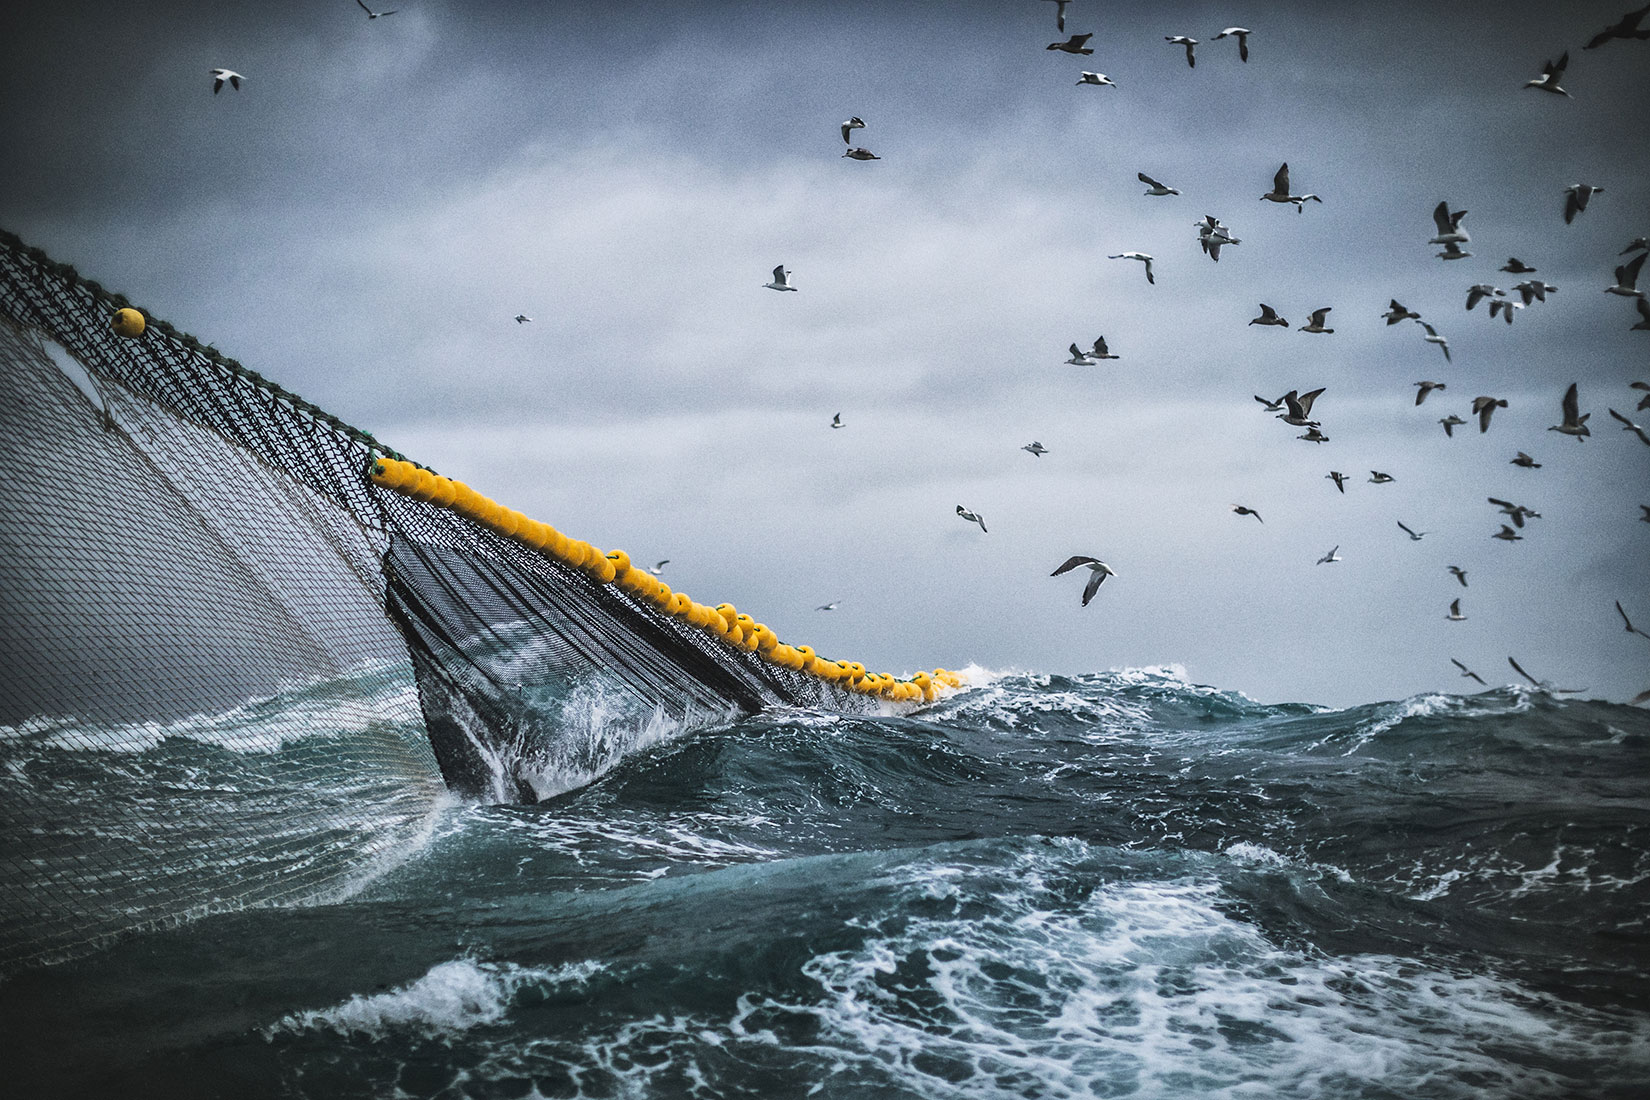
column 233, row 671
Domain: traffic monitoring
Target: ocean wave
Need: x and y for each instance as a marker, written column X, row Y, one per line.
column 451, row 998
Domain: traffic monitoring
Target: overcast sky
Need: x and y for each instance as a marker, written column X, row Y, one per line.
column 362, row 220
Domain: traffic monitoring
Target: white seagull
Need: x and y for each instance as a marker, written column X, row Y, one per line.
column 1449, row 226
column 1465, row 671
column 1079, row 357
column 1189, row 43
column 1551, row 74
column 522, row 318
column 1450, row 423
column 1060, row 14
column 1300, row 408
column 1037, row 449
column 1400, row 312
column 1100, row 350
column 1575, row 199
column 1280, row 191
column 1099, row 78
column 1458, row 573
column 781, row 279
column 1627, row 278
column 971, row 518
column 1534, row 290
column 1453, row 251
column 1152, row 186
column 854, row 123
column 221, row 75
column 1455, row 615
column 836, row 421
column 1269, row 316
column 1212, row 235
column 1376, row 477
column 857, row 153
column 1414, row 536
column 1242, row 36
column 1575, row 421
column 1316, row 324
column 1332, row 556
column 1480, row 291
column 828, row 606
column 1098, row 572
column 658, row 567
column 1505, row 308
column 375, row 14
column 1143, row 257
column 1432, row 337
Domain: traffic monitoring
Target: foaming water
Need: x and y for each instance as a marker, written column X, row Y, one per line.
column 1117, row 884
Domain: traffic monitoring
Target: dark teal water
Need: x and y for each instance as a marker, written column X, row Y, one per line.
column 1116, row 885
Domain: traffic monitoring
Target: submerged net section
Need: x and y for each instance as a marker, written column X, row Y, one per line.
column 237, row 668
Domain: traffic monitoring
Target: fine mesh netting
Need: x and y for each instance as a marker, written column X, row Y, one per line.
column 235, row 671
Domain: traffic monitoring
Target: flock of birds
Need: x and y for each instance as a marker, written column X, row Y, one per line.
column 1295, row 408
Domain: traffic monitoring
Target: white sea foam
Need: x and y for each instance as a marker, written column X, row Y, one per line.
column 453, row 997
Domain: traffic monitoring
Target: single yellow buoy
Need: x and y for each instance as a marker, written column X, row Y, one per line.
column 127, row 322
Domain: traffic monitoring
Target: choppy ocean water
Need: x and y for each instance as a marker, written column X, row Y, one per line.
column 1120, row 884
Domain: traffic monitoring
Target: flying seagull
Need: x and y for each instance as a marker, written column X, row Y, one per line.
column 1100, row 351
column 1631, row 629
column 1643, row 323
column 1517, row 511
column 1645, row 508
column 1644, row 402
column 1077, row 43
column 1507, row 534
column 1636, row 244
column 1627, row 29
column 1484, row 408
column 1426, row 388
column 1453, row 251
column 1504, row 308
column 1627, row 278
column 1414, row 536
column 1575, row 199
column 1455, row 615
column 375, row 14
column 1515, row 266
column 1213, row 236
column 1542, row 684
column 1300, row 408
column 1449, row 226
column 1378, row 478
column 1331, row 557
column 1086, row 77
column 1280, row 191
column 1399, row 312
column 836, row 421
column 1037, row 449
column 1458, row 573
column 828, row 606
column 658, row 567
column 971, row 518
column 1339, row 479
column 1269, row 316
column 1098, row 572
column 1551, row 74
column 1432, row 337
column 1060, row 13
column 854, row 123
column 1242, row 511
column 1271, row 406
column 1534, row 289
column 1152, row 186
column 1189, row 43
column 221, row 75
column 1313, row 435
column 1524, row 460
column 1242, row 36
column 857, row 153
column 781, row 279
column 1450, row 423
column 522, row 318
column 1480, row 291
column 1465, row 671
column 1631, row 427
column 1079, row 357
column 1316, row 324
column 1142, row 257
column 1575, row 421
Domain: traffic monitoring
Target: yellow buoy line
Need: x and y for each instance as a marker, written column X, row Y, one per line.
column 724, row 622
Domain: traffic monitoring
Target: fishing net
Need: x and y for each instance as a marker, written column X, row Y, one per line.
column 239, row 667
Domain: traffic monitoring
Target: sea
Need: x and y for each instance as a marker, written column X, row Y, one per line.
column 1122, row 884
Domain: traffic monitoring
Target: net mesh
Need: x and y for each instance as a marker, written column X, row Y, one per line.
column 235, row 671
